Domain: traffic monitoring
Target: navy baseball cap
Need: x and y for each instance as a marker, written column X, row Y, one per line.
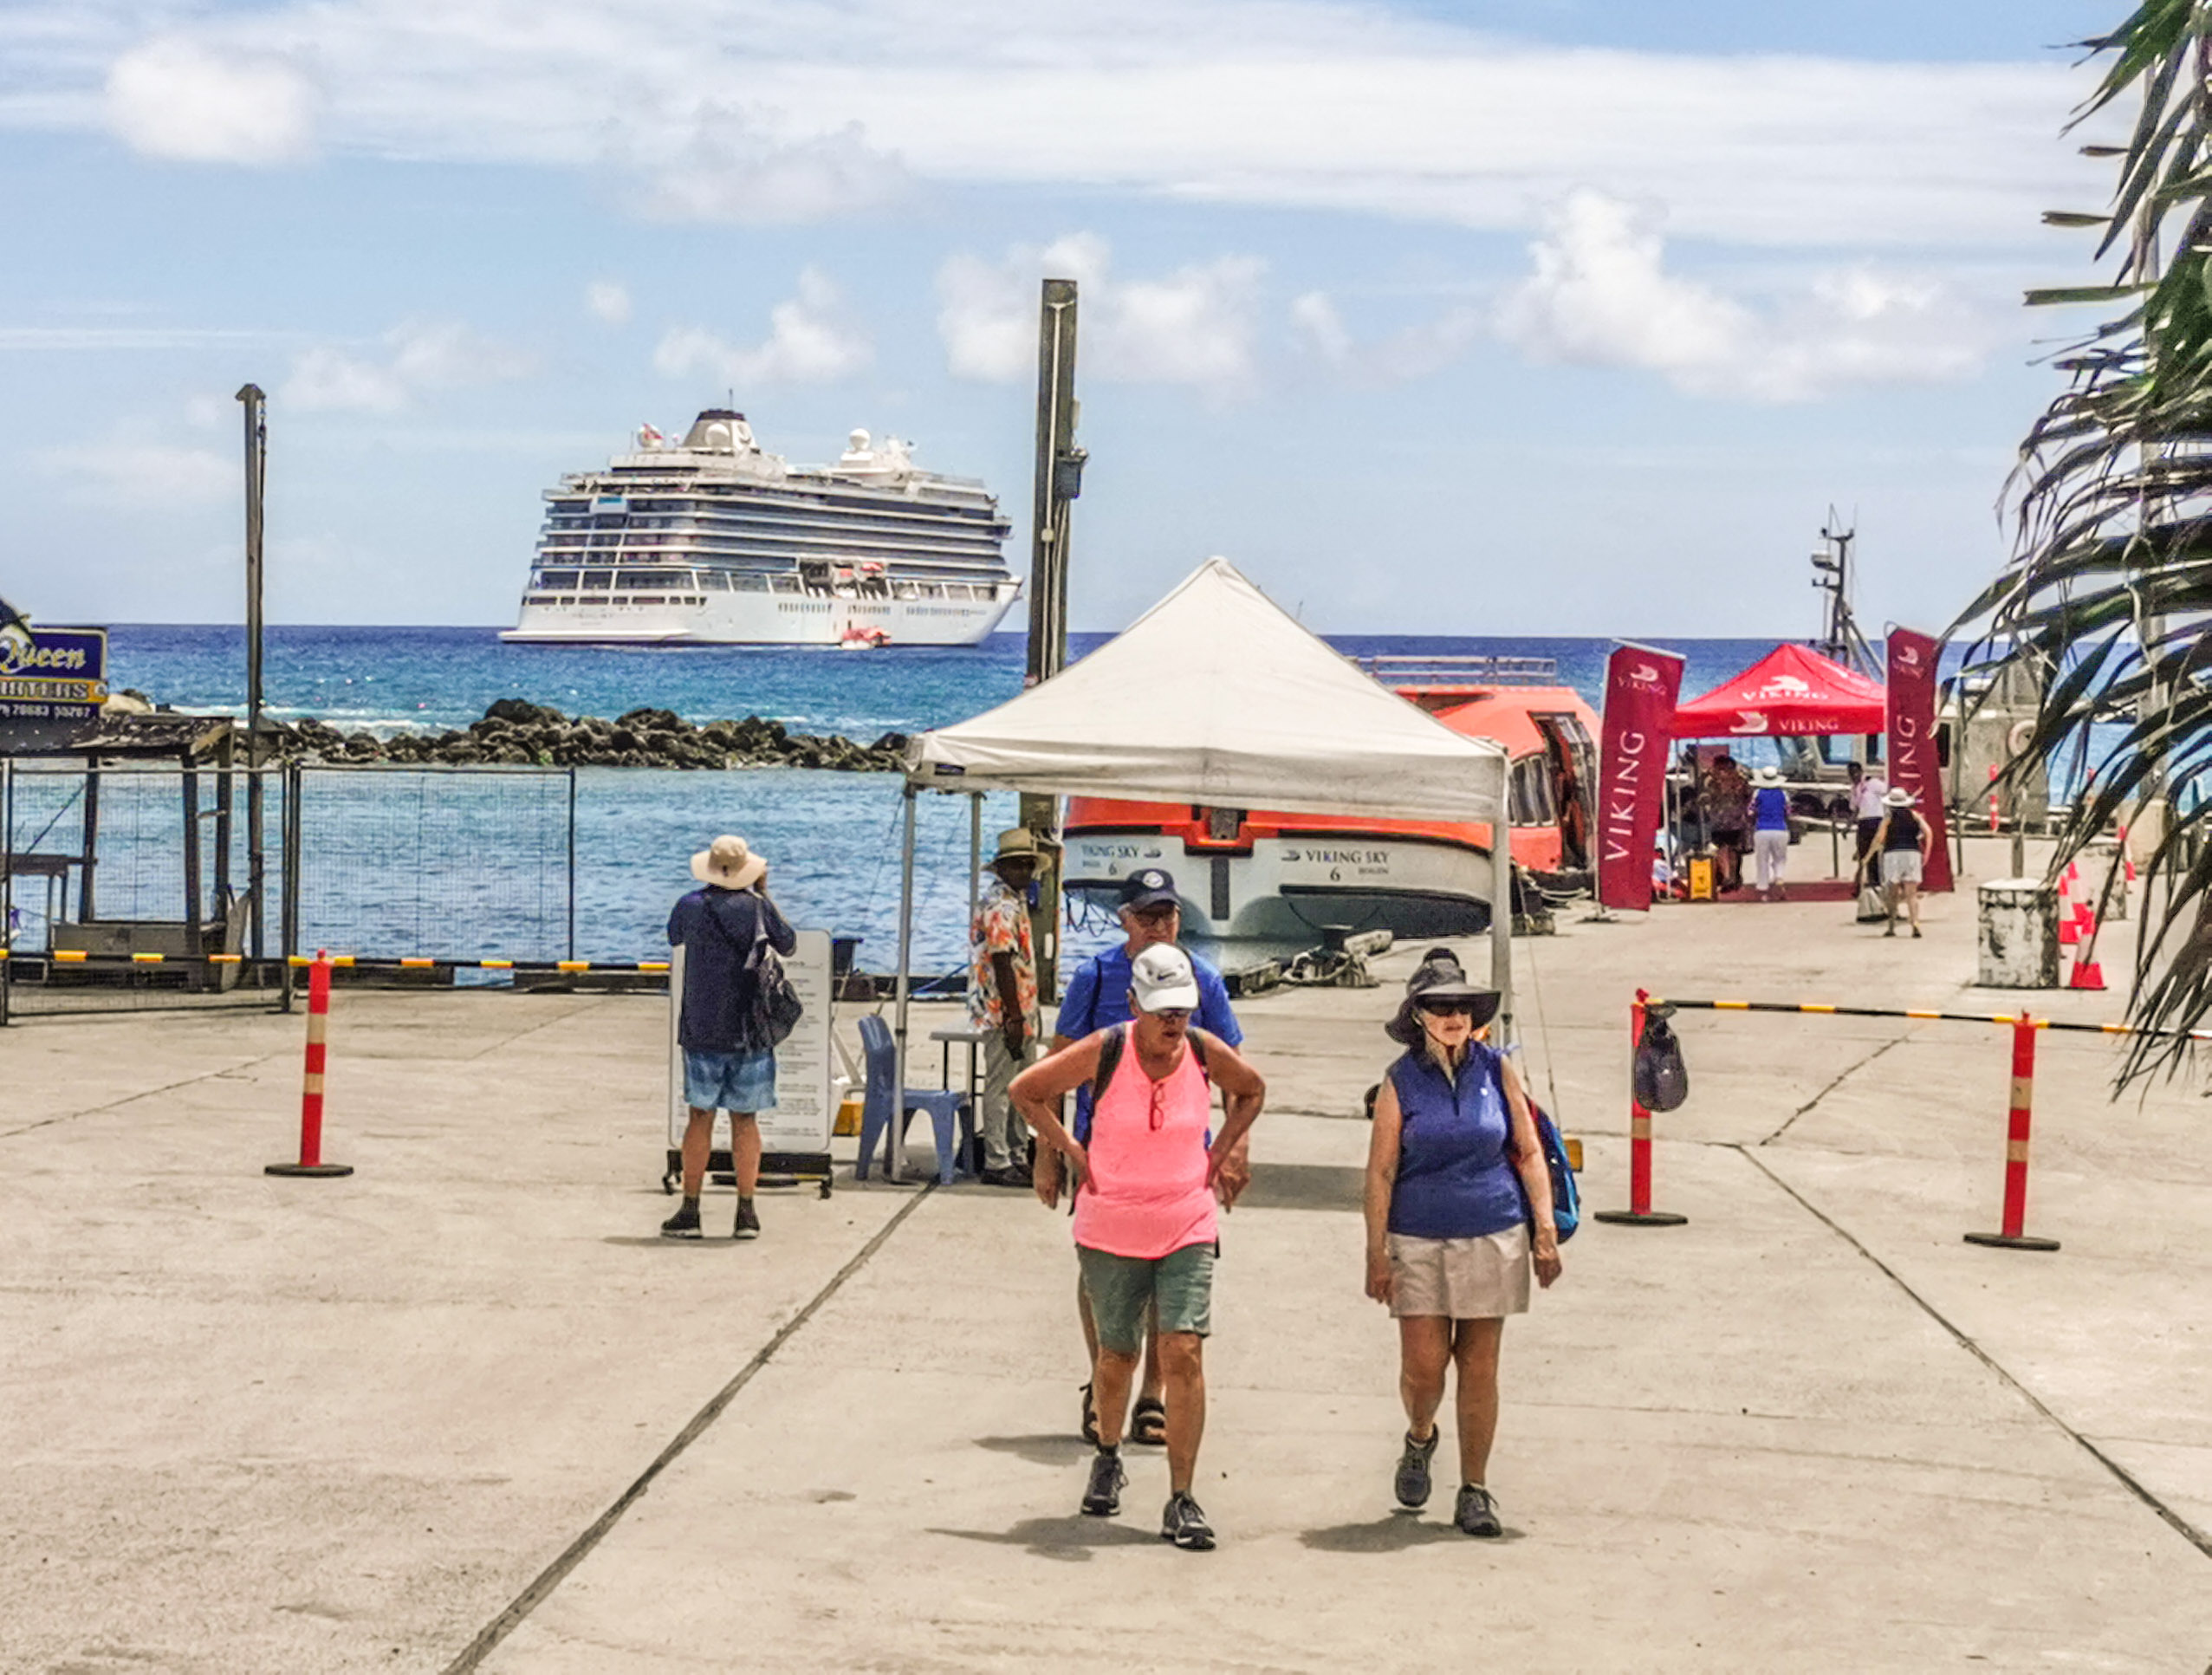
column 1148, row 886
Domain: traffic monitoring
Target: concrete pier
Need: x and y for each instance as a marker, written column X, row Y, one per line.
column 249, row 1424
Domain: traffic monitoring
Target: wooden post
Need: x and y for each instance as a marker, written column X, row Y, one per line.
column 1057, row 481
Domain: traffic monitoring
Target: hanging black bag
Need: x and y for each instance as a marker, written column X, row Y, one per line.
column 775, row 1008
column 1659, row 1077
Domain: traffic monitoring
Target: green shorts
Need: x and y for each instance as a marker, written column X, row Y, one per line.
column 1182, row 1283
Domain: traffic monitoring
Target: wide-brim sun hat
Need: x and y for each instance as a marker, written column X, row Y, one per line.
column 729, row 862
column 1770, row 775
column 1015, row 843
column 1439, row 977
column 1898, row 797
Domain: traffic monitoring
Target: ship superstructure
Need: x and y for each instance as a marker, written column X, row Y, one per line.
column 713, row 540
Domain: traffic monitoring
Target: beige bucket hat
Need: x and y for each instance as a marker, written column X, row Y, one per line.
column 729, row 862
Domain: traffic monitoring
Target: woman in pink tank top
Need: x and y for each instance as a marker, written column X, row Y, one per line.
column 1145, row 1208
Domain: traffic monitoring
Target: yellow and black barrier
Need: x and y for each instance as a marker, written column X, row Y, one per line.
column 1825, row 1009
column 356, row 961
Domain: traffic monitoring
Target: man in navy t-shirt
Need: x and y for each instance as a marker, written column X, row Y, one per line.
column 1098, row 998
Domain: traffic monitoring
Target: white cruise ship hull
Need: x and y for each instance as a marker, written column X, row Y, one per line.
column 755, row 619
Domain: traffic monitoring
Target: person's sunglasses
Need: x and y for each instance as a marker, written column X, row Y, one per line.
column 1444, row 1006
column 1173, row 1015
column 1158, row 912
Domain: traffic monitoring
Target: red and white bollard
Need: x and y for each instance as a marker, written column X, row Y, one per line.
column 311, row 1162
column 1993, row 797
column 2015, row 1236
column 1639, row 1212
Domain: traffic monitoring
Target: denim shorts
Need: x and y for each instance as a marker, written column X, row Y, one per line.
column 1181, row 1283
column 729, row 1081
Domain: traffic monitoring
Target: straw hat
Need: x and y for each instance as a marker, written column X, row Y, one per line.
column 730, row 863
column 1015, row 843
column 1439, row 977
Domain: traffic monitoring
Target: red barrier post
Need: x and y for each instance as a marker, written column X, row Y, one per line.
column 311, row 1162
column 2015, row 1236
column 1639, row 1212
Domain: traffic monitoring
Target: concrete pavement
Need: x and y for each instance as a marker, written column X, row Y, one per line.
column 251, row 1424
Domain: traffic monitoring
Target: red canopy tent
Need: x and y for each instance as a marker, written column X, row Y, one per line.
column 1790, row 691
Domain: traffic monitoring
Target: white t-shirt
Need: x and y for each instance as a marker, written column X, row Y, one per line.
column 1867, row 798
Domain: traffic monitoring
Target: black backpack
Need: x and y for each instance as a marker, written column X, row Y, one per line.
column 1117, row 1037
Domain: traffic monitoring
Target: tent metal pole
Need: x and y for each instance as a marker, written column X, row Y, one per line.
column 1502, row 907
column 896, row 1127
column 974, row 850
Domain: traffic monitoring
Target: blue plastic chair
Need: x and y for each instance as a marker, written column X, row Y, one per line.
column 881, row 1054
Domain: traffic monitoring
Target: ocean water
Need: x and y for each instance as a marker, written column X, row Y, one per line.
column 475, row 866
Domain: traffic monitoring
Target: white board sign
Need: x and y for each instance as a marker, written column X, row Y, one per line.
column 801, row 1118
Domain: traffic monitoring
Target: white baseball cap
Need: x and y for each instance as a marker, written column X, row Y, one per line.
column 1162, row 979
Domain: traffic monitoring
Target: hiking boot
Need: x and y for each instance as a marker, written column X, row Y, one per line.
column 1412, row 1481
column 749, row 1220
column 1476, row 1512
column 1185, row 1525
column 684, row 1224
column 1102, row 1499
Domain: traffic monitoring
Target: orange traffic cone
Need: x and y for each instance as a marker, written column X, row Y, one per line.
column 2087, row 974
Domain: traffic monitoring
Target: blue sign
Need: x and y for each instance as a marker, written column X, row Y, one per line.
column 51, row 679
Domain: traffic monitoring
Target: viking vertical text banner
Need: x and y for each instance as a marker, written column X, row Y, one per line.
column 1641, row 686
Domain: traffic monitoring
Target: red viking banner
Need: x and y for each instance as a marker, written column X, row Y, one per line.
column 1911, row 749
column 1641, row 686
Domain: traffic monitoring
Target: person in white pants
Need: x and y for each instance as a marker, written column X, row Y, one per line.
column 1770, row 833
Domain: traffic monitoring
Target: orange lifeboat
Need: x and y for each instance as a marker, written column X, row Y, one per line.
column 1250, row 875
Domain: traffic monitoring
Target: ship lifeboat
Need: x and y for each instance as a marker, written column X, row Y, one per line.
column 1280, row 880
column 860, row 639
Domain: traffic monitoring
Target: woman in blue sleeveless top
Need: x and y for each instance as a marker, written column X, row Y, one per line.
column 1455, row 1181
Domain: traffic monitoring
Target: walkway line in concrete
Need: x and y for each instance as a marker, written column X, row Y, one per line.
column 2188, row 1531
column 133, row 1098
column 1848, row 1072
column 488, row 1637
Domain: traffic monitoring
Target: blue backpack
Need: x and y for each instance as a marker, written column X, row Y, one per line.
column 1566, row 1198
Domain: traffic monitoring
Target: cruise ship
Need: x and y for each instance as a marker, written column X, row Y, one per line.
column 712, row 541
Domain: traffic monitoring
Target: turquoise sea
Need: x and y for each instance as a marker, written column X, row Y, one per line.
column 407, row 862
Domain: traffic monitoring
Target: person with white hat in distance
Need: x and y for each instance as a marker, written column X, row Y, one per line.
column 718, row 927
column 1902, row 844
column 1002, row 999
column 1770, row 832
column 1146, row 1228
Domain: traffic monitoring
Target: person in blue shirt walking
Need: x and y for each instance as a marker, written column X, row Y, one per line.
column 1097, row 998
column 1770, row 833
column 1459, row 1211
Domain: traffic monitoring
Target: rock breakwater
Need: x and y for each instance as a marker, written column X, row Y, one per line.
column 516, row 733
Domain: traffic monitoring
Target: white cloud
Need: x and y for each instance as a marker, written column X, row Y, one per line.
column 173, row 97
column 1195, row 326
column 1336, row 104
column 809, row 341
column 729, row 167
column 420, row 355
column 1601, row 295
column 609, row 300
column 145, row 474
column 1413, row 352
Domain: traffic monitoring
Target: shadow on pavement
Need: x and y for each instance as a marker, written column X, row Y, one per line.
column 1071, row 1538
column 1393, row 1533
column 1049, row 1448
column 1304, row 1186
column 654, row 1242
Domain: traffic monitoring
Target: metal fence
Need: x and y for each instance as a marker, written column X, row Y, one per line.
column 133, row 887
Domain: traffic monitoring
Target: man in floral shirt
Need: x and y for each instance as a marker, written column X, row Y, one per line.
column 1002, row 998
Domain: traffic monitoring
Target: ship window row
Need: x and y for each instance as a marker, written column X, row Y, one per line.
column 771, row 520
column 724, row 580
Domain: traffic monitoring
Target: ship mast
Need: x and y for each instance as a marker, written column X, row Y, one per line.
column 1840, row 639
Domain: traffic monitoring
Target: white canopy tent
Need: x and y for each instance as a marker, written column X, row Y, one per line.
column 1217, row 696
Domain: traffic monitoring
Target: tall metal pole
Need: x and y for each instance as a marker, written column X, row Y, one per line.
column 257, row 474
column 1058, row 481
column 895, row 1129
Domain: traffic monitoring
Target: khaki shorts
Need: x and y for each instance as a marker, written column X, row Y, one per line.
column 1478, row 1279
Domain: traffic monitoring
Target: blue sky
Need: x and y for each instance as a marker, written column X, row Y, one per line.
column 1548, row 316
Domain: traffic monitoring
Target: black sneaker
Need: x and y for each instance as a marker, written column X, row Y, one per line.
column 1185, row 1525
column 1412, row 1480
column 1477, row 1514
column 684, row 1224
column 749, row 1220
column 1103, row 1498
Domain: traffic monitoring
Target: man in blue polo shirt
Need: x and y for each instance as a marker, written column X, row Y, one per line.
column 1098, row 998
